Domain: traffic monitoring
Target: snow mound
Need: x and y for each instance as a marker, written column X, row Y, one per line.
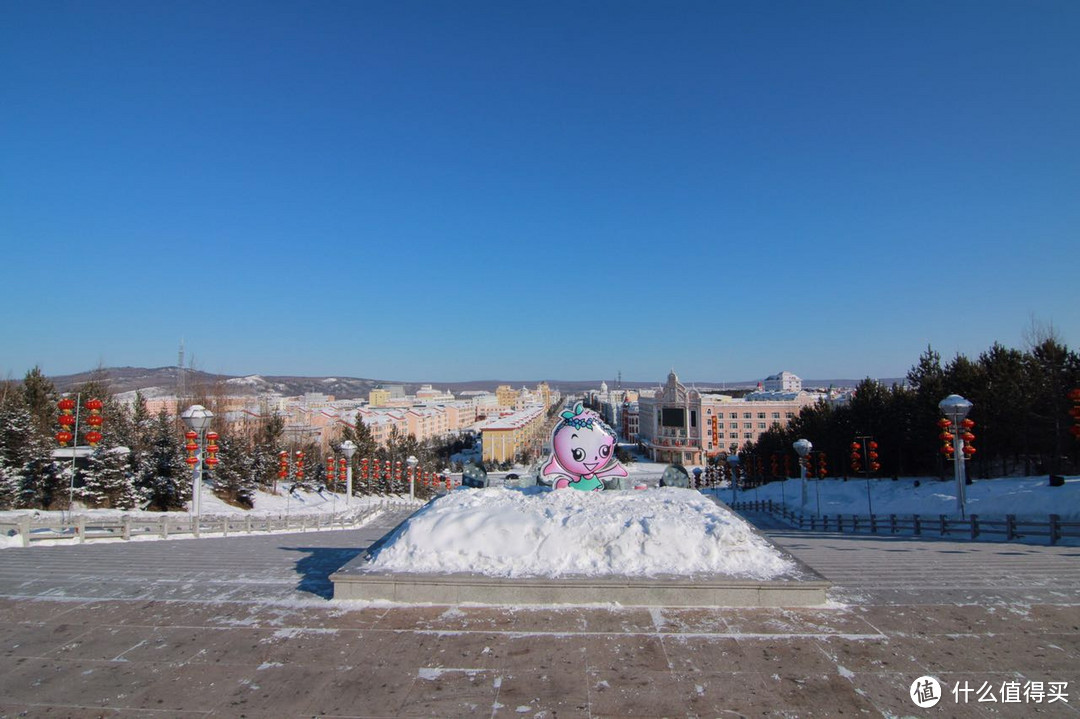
column 507, row 533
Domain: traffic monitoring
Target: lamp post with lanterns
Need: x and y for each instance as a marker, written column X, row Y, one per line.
column 956, row 408
column 197, row 419
column 69, row 420
column 348, row 448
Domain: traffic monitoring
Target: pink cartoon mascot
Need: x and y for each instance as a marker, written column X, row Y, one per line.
column 582, row 452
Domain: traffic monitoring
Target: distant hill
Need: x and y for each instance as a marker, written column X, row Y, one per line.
column 163, row 381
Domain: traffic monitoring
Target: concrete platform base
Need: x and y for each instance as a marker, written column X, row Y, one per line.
column 356, row 581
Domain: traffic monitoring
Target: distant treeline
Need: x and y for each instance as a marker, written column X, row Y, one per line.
column 1021, row 413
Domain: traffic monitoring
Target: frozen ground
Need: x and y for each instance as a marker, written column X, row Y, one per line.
column 1027, row 497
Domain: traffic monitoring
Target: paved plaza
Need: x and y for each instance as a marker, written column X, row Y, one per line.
column 244, row 627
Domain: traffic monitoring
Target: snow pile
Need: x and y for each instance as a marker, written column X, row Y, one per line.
column 507, row 533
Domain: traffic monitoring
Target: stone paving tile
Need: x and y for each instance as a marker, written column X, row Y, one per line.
column 274, row 691
column 193, row 687
column 623, row 691
column 57, row 682
column 622, row 620
column 792, row 657
column 707, row 655
column 451, row 693
column 543, row 655
column 547, row 694
column 363, row 691
column 871, row 655
column 796, row 621
column 30, row 609
column 29, row 639
column 634, row 653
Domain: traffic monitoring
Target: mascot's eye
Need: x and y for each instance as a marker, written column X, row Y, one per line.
column 605, row 451
column 577, row 453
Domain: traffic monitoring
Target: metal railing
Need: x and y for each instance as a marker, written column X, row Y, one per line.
column 81, row 527
column 973, row 526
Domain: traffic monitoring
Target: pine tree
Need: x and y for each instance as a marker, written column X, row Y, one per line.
column 108, row 481
column 162, row 476
column 39, row 396
column 234, row 477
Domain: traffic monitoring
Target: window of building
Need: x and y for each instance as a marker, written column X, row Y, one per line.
column 747, row 415
column 734, row 435
column 761, row 425
column 734, row 415
column 776, row 415
column 693, row 418
column 789, row 415
column 748, row 435
column 761, row 415
column 748, row 425
column 719, row 425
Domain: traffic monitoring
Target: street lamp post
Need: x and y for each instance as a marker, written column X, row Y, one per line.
column 733, row 463
column 348, row 448
column 956, row 408
column 802, row 448
column 197, row 419
column 412, row 462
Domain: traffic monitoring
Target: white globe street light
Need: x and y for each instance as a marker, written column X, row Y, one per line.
column 197, row 419
column 348, row 448
column 802, row 448
column 412, row 462
column 956, row 408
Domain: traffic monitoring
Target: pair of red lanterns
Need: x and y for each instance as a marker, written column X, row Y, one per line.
column 67, row 421
column 871, row 456
column 192, row 448
column 947, row 437
column 283, row 464
column 331, row 470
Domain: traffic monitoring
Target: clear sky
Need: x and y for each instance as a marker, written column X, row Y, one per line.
column 447, row 191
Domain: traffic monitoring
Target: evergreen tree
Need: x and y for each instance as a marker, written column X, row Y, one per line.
column 39, row 396
column 108, row 481
column 234, row 477
column 163, row 478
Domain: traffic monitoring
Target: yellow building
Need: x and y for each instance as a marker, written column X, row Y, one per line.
column 379, row 397
column 505, row 439
column 505, row 395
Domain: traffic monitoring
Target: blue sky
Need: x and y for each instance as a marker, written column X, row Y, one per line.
column 449, row 191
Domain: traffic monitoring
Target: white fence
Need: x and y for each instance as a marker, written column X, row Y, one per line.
column 81, row 527
column 973, row 527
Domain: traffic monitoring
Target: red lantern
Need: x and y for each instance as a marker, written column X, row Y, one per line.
column 95, row 420
column 212, row 437
column 967, row 424
column 94, row 405
column 944, row 423
column 968, row 450
column 946, row 449
column 192, row 461
column 92, row 438
column 63, row 437
column 191, row 436
column 66, row 405
column 66, row 420
column 212, row 461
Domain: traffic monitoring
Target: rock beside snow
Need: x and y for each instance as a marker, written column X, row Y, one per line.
column 509, row 533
